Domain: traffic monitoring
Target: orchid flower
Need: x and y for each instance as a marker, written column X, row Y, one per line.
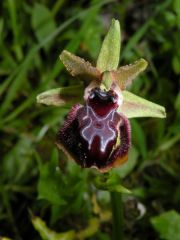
column 97, row 132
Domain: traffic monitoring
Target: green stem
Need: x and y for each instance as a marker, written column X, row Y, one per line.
column 117, row 211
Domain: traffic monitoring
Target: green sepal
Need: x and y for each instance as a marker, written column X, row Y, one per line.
column 80, row 68
column 134, row 106
column 126, row 74
column 108, row 58
column 62, row 96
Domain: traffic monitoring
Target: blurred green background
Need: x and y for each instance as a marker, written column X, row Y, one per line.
column 36, row 180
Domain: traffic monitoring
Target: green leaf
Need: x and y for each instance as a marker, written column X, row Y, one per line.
column 139, row 138
column 49, row 187
column 78, row 67
column 114, row 184
column 169, row 143
column 22, row 149
column 176, row 64
column 125, row 74
column 177, row 104
column 42, row 22
column 1, row 30
column 13, row 14
column 48, row 234
column 92, row 38
column 167, row 225
column 110, row 182
column 176, row 6
column 62, row 96
column 134, row 106
column 109, row 55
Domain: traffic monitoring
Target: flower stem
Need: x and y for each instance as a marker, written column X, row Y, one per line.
column 117, row 211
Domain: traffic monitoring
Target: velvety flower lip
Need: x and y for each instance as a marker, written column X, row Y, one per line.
column 96, row 135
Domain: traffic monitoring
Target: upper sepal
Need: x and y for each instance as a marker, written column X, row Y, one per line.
column 108, row 58
column 134, row 106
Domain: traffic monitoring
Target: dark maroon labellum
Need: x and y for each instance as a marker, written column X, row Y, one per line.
column 96, row 134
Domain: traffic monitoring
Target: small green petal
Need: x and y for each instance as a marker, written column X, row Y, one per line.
column 134, row 106
column 78, row 67
column 62, row 96
column 109, row 55
column 107, row 80
column 125, row 74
